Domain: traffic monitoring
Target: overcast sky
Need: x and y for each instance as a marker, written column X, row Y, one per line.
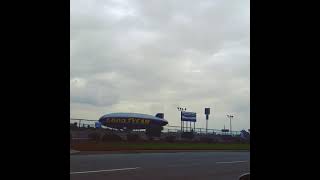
column 150, row 56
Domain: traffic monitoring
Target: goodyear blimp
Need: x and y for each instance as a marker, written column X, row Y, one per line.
column 132, row 120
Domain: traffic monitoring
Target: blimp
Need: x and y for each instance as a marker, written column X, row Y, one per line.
column 132, row 120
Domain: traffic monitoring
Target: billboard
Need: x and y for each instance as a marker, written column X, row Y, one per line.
column 207, row 111
column 188, row 116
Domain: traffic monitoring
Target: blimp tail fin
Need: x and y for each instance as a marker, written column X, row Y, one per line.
column 160, row 115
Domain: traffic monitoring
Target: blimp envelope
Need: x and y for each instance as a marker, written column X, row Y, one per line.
column 131, row 120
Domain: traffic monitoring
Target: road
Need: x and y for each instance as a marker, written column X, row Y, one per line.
column 160, row 166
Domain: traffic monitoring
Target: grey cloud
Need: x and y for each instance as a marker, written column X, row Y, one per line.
column 149, row 56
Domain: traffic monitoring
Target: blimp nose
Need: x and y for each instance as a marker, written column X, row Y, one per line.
column 165, row 122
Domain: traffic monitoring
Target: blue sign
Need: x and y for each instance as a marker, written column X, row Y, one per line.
column 188, row 116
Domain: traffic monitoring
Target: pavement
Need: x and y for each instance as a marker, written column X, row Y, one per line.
column 222, row 165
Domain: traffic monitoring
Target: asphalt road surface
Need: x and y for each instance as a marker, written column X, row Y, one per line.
column 160, row 166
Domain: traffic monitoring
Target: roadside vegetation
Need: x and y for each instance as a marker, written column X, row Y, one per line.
column 113, row 146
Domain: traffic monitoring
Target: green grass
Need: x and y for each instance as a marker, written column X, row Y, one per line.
column 157, row 146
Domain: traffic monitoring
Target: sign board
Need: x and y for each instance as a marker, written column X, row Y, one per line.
column 206, row 111
column 188, row 116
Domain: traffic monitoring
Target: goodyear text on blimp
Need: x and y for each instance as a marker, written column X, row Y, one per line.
column 128, row 120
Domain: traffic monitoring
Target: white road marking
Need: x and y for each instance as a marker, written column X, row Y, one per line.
column 105, row 170
column 197, row 164
column 231, row 162
column 245, row 174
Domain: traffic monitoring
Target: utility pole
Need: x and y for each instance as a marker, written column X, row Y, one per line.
column 207, row 126
column 207, row 112
column 230, row 117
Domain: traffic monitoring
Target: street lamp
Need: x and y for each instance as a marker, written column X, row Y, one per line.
column 181, row 110
column 230, row 117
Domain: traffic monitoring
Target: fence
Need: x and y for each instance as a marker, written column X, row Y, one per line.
column 85, row 123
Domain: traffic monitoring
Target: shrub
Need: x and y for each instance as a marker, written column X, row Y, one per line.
column 94, row 136
column 154, row 131
column 73, row 126
column 187, row 135
column 133, row 137
column 111, row 138
column 170, row 138
column 207, row 140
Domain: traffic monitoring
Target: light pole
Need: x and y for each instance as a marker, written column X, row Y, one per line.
column 181, row 110
column 207, row 126
column 230, row 116
column 207, row 112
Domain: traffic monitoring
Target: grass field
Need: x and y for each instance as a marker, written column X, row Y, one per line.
column 91, row 146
